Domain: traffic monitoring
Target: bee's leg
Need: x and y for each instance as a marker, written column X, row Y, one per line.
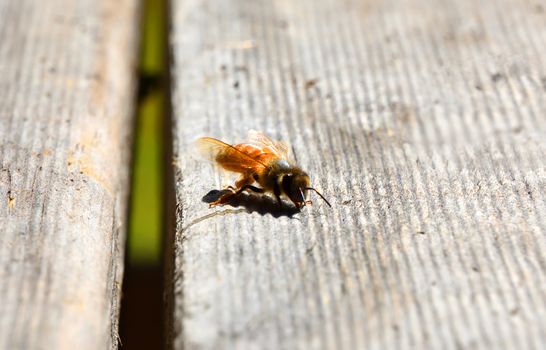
column 250, row 187
column 226, row 197
column 279, row 200
column 231, row 191
column 244, row 180
column 277, row 193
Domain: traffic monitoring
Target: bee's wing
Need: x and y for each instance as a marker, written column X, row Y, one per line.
column 276, row 148
column 210, row 147
column 232, row 158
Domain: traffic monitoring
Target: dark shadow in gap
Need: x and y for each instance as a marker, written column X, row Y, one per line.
column 141, row 324
column 258, row 203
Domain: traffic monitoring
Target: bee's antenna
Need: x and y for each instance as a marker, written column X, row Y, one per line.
column 321, row 196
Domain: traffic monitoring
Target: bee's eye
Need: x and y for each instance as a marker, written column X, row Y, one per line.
column 287, row 184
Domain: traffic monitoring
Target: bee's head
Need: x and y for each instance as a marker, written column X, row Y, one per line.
column 295, row 187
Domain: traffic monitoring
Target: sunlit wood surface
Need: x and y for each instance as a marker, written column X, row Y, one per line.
column 67, row 83
column 423, row 122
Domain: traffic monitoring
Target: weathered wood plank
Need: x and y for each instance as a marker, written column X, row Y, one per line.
column 66, row 106
column 423, row 122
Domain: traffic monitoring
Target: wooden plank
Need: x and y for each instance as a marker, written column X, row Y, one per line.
column 423, row 123
column 66, row 108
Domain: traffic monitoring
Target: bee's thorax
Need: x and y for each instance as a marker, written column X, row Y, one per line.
column 283, row 164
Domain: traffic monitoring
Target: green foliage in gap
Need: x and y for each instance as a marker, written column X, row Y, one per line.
column 145, row 224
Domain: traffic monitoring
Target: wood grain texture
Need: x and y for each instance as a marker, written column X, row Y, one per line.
column 67, row 73
column 424, row 124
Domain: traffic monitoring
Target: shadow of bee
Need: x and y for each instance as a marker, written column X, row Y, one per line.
column 253, row 203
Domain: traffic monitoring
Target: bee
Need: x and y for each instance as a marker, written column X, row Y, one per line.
column 263, row 161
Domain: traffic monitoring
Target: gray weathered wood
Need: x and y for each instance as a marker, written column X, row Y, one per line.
column 424, row 123
column 67, row 73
